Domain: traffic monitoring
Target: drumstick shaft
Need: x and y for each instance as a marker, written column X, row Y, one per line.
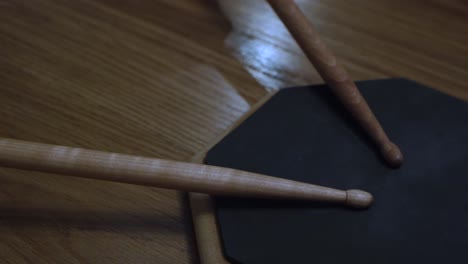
column 335, row 76
column 165, row 173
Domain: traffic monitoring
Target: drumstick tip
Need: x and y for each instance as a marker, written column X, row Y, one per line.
column 358, row 198
column 392, row 154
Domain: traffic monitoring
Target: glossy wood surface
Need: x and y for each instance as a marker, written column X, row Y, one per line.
column 163, row 79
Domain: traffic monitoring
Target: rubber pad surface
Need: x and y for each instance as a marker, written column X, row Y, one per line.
column 420, row 214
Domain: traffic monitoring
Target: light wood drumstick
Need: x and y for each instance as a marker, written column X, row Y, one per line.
column 335, row 76
column 166, row 174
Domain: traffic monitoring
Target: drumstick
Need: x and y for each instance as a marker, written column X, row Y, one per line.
column 335, row 76
column 166, row 174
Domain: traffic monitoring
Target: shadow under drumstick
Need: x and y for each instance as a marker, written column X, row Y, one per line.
column 89, row 220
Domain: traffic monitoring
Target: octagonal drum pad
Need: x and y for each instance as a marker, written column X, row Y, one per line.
column 420, row 214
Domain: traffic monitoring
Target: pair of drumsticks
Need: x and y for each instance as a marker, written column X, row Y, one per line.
column 211, row 179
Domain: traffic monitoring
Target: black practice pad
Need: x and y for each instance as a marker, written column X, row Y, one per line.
column 420, row 214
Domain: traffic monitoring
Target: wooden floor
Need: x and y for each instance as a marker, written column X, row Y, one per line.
column 163, row 79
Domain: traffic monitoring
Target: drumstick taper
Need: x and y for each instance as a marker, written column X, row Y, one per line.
column 335, row 76
column 166, row 174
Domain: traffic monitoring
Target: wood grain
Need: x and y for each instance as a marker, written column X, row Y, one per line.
column 167, row 174
column 164, row 79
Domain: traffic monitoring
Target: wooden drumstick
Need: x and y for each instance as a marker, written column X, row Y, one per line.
column 335, row 76
column 166, row 174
